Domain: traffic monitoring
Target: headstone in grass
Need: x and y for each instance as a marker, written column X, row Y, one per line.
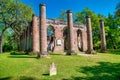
column 53, row 69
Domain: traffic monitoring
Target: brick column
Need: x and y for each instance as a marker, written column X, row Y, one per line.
column 35, row 31
column 43, row 32
column 89, row 35
column 71, row 49
column 102, row 35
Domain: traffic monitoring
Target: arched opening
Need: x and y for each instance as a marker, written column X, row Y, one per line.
column 79, row 40
column 65, row 35
column 50, row 38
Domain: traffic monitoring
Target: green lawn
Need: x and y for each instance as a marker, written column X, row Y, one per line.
column 26, row 67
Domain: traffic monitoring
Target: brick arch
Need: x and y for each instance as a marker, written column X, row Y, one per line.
column 65, row 37
column 51, row 39
column 64, row 29
column 79, row 40
column 53, row 26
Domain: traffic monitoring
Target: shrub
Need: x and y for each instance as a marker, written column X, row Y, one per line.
column 17, row 53
column 7, row 47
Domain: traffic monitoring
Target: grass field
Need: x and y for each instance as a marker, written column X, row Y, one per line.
column 26, row 67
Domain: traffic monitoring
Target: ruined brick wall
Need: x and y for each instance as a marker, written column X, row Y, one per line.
column 58, row 34
column 83, row 39
column 32, row 33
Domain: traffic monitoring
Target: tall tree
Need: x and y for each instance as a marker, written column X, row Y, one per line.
column 14, row 15
column 62, row 15
column 112, row 24
column 117, row 12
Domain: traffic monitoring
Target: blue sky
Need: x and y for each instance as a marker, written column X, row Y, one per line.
column 55, row 6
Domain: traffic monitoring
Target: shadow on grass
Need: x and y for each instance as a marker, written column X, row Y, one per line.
column 103, row 71
column 47, row 74
column 6, row 78
column 20, row 78
column 27, row 78
column 21, row 56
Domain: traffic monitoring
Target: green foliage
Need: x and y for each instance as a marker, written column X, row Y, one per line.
column 14, row 15
column 117, row 12
column 63, row 15
column 7, row 47
column 50, row 31
column 112, row 32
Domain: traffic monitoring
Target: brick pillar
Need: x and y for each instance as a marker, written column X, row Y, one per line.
column 102, row 35
column 35, row 31
column 84, row 40
column 43, row 32
column 89, row 35
column 71, row 49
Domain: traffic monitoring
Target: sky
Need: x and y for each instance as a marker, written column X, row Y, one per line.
column 54, row 7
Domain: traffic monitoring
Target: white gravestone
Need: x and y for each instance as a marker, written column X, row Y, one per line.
column 53, row 70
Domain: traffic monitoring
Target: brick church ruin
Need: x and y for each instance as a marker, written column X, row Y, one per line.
column 58, row 36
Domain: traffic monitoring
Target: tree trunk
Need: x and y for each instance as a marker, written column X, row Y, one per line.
column 19, row 42
column 1, row 36
column 1, row 44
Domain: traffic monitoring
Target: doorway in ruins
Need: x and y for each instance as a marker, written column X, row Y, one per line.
column 79, row 40
column 65, row 36
column 50, row 38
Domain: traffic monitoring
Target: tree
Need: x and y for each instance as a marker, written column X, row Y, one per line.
column 117, row 12
column 14, row 15
column 112, row 24
column 62, row 15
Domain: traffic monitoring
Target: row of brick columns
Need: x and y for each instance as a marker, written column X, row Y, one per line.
column 89, row 36
column 42, row 45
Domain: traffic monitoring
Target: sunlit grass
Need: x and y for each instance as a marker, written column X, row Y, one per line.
column 26, row 67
